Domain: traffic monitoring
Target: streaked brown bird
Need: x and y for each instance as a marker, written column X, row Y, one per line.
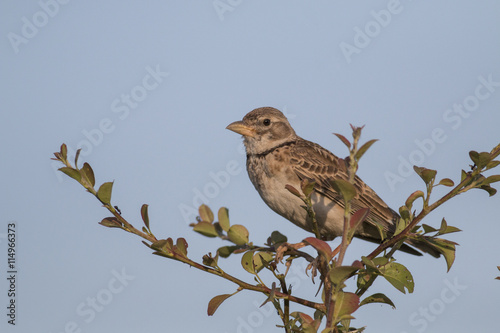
column 276, row 156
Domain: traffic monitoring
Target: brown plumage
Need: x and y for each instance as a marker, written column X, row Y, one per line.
column 276, row 156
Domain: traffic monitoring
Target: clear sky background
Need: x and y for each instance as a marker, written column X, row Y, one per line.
column 146, row 89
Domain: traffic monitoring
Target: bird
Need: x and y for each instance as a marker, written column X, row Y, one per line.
column 277, row 157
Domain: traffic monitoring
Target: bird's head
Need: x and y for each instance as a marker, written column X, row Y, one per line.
column 263, row 129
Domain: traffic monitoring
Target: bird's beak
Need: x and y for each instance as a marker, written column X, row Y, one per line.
column 240, row 128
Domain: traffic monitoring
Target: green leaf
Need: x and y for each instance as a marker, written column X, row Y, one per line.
column 363, row 149
column 261, row 260
column 76, row 157
column 276, row 238
column 104, row 192
column 404, row 211
column 491, row 191
column 463, row 175
column 247, row 262
column 205, row 228
column 238, row 234
column 215, row 302
column 446, row 182
column 339, row 274
column 377, row 298
column 446, row 229
column 73, row 173
column 206, row 213
column 64, row 152
column 399, row 276
column 182, row 245
column 345, row 305
column 321, row 246
column 414, row 196
column 428, row 228
column 163, row 245
column 88, row 173
column 343, row 187
column 144, row 215
column 343, row 139
column 492, row 164
column 480, row 159
column 111, row 222
column 307, row 186
column 223, row 215
column 226, row 251
column 447, row 249
column 427, row 175
column 491, row 179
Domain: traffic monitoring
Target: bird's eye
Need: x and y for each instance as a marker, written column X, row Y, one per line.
column 266, row 122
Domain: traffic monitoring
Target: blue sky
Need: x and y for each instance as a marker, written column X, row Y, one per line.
column 147, row 89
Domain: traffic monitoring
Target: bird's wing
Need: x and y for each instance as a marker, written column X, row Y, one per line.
column 311, row 161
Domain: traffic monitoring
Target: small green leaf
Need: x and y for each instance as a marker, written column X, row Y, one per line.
column 480, row 159
column 238, row 234
column 364, row 148
column 447, row 249
column 377, row 298
column 345, row 305
column 446, row 182
column 446, row 229
column 73, row 173
column 104, row 192
column 182, row 245
column 261, row 260
column 414, row 196
column 226, row 251
column 343, row 187
column 399, row 276
column 205, row 228
column 380, row 261
column 343, row 139
column 163, row 245
column 491, row 179
column 276, row 238
column 339, row 274
column 427, row 175
column 463, row 175
column 492, row 164
column 215, row 302
column 144, row 215
column 88, row 173
column 64, row 152
column 307, row 186
column 111, row 222
column 206, row 213
column 223, row 215
column 404, row 211
column 428, row 228
column 491, row 191
column 247, row 262
column 76, row 157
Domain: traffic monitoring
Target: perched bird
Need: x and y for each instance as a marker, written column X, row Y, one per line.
column 277, row 157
